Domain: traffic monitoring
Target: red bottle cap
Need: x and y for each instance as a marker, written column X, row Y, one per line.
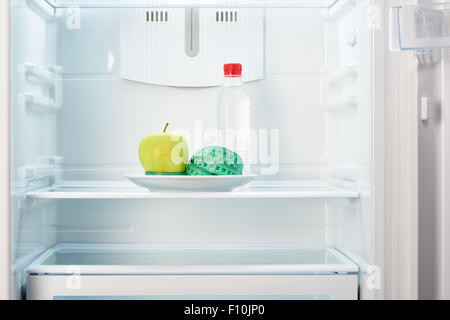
column 232, row 70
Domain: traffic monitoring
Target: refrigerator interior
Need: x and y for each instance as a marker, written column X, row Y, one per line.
column 76, row 124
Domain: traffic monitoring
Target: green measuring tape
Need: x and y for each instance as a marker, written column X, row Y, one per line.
column 218, row 161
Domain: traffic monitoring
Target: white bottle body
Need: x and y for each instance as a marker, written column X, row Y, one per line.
column 234, row 119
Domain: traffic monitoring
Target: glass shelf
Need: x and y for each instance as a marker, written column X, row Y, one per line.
column 193, row 3
column 259, row 190
column 420, row 27
column 184, row 259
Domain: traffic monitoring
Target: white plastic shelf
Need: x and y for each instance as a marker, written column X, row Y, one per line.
column 420, row 27
column 125, row 190
column 192, row 3
column 122, row 259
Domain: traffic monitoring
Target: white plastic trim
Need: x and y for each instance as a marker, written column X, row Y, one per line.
column 341, row 8
column 394, row 35
column 42, row 8
column 38, row 266
column 81, row 190
column 4, row 151
column 443, row 274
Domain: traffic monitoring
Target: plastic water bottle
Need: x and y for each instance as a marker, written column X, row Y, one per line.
column 234, row 114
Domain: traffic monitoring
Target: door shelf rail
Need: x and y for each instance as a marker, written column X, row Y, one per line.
column 31, row 100
column 126, row 190
column 49, row 77
column 37, row 73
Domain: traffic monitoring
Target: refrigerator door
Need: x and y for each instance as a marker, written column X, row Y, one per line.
column 420, row 31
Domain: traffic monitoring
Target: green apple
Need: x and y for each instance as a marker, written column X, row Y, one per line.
column 165, row 152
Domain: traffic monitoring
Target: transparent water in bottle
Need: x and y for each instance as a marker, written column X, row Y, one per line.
column 234, row 118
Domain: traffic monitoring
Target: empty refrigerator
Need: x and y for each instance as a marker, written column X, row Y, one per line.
column 90, row 79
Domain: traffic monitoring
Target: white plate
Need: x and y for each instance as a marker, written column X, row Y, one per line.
column 190, row 183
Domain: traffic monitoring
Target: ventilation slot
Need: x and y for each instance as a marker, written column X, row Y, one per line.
column 157, row 16
column 193, row 38
column 226, row 16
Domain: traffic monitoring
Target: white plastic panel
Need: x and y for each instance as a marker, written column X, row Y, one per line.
column 194, row 287
column 288, row 56
column 192, row 221
column 188, row 47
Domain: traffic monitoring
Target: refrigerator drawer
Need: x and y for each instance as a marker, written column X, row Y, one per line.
column 192, row 287
column 84, row 271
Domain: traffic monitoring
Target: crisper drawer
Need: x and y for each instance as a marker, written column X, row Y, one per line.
column 182, row 272
column 193, row 287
